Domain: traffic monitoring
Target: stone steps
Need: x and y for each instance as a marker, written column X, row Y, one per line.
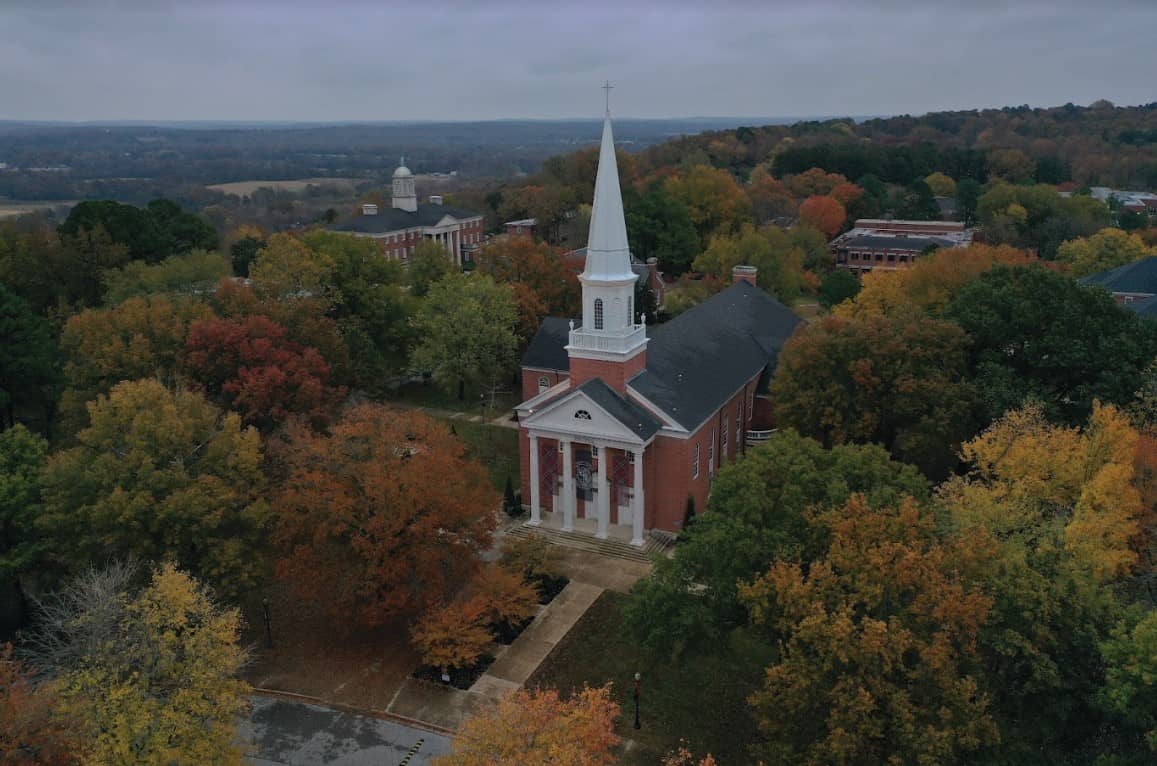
column 652, row 547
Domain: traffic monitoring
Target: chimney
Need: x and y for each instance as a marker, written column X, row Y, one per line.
column 435, row 199
column 369, row 209
column 743, row 274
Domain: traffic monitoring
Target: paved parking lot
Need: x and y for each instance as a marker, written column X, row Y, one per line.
column 284, row 733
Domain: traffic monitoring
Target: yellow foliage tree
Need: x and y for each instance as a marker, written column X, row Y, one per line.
column 1107, row 249
column 165, row 691
column 288, row 267
column 451, row 635
column 929, row 285
column 941, row 185
column 537, row 727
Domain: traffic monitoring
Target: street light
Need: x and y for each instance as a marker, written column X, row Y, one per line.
column 638, row 678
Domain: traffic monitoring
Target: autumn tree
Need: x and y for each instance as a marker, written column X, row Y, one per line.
column 56, row 275
column 757, row 514
column 383, row 515
column 716, row 202
column 878, row 660
column 503, row 596
column 770, row 198
column 160, row 475
column 139, row 338
column 777, row 259
column 941, row 184
column 814, row 182
column 537, row 726
column 465, row 329
column 22, row 546
column 451, row 636
column 544, row 283
column 251, row 367
column 896, row 382
column 1107, row 249
column 824, row 213
column 1061, row 506
column 1036, row 334
column 34, row 732
column 929, row 285
column 148, row 676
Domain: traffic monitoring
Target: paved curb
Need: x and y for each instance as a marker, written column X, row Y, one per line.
column 370, row 713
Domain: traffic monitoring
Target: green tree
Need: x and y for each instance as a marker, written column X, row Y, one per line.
column 757, row 514
column 29, row 360
column 243, row 253
column 838, row 286
column 161, row 475
column 660, row 226
column 967, row 197
column 897, row 382
column 1039, row 335
column 428, row 264
column 148, row 677
column 151, row 234
column 941, row 185
column 466, row 334
column 1107, row 249
column 196, row 272
column 1130, row 690
column 22, row 455
column 778, row 260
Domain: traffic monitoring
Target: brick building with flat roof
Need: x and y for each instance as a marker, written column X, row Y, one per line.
column 881, row 244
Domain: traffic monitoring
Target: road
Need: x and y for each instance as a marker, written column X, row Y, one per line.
column 284, row 733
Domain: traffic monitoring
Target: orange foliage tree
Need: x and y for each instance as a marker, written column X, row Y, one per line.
column 31, row 732
column 501, row 595
column 846, row 192
column 539, row 727
column 384, row 515
column 878, row 660
column 824, row 213
column 451, row 635
column 544, row 283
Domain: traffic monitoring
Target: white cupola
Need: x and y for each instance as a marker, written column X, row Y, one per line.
column 404, row 196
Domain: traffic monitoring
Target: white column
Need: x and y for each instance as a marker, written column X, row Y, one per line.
column 604, row 496
column 535, row 484
column 637, row 504
column 567, row 488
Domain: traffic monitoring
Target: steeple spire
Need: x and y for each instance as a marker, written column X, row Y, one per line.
column 608, row 255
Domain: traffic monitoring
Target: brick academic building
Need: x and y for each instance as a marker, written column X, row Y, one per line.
column 621, row 423
column 881, row 244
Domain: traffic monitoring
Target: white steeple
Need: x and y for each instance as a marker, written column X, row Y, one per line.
column 609, row 331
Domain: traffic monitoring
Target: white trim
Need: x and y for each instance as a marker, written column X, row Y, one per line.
column 529, row 404
column 583, row 435
column 574, row 352
column 647, row 404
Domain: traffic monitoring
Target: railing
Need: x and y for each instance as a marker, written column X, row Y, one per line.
column 593, row 340
column 755, row 437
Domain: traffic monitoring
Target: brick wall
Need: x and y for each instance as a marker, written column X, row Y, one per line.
column 530, row 380
column 614, row 374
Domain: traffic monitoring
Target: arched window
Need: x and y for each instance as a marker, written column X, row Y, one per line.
column 598, row 313
column 582, row 415
column 543, row 384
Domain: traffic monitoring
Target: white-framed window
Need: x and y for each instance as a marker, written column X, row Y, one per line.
column 543, row 383
column 711, row 455
column 598, row 313
column 695, row 463
column 750, row 405
column 723, row 436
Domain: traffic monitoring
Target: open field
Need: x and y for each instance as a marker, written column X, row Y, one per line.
column 700, row 699
column 13, row 209
column 244, row 188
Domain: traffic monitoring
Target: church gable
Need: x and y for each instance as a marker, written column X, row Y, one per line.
column 594, row 410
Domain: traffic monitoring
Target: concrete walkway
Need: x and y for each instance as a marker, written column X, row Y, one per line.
column 504, row 420
column 518, row 663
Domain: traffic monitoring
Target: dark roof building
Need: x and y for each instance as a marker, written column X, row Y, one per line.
column 623, row 425
column 1133, row 285
column 882, row 244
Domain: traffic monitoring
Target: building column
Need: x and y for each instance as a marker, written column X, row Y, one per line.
column 637, row 504
column 535, row 484
column 568, row 504
column 604, row 493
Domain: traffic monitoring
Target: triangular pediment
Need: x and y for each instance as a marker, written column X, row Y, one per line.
column 578, row 414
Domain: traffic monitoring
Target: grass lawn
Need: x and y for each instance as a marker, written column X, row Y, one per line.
column 430, row 395
column 493, row 446
column 698, row 699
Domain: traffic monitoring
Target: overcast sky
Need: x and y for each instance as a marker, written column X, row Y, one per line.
column 333, row 60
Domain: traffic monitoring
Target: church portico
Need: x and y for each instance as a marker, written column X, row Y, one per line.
column 595, row 485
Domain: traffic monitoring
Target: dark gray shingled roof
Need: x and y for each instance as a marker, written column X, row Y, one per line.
column 547, row 350
column 626, row 412
column 393, row 219
column 1136, row 277
column 915, row 244
column 1145, row 308
column 700, row 358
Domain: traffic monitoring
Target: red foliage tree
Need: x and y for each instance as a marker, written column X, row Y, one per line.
column 824, row 213
column 384, row 516
column 31, row 731
column 250, row 366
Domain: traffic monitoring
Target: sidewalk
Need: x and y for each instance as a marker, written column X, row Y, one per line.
column 504, row 420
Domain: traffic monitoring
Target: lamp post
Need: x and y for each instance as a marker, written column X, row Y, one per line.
column 268, row 630
column 638, row 678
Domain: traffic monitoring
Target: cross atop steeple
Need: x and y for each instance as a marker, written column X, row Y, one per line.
column 608, row 87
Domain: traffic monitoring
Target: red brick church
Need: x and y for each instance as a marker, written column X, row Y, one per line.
column 621, row 422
